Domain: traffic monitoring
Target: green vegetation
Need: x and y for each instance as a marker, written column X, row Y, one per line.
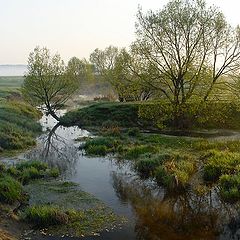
column 229, row 187
column 171, row 161
column 12, row 178
column 101, row 114
column 11, row 83
column 53, row 203
column 18, row 123
column 45, row 216
column 48, row 82
column 10, row 190
column 219, row 163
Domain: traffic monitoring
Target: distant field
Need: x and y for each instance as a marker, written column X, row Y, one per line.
column 11, row 83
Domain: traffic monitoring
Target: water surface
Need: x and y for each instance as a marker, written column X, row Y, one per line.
column 152, row 213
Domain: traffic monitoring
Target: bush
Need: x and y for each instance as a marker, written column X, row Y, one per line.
column 230, row 187
column 44, row 216
column 101, row 146
column 164, row 178
column 220, row 163
column 29, row 174
column 133, row 132
column 10, row 190
column 148, row 164
column 53, row 172
column 176, row 171
column 29, row 164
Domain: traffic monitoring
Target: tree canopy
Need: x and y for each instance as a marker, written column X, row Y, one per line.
column 47, row 83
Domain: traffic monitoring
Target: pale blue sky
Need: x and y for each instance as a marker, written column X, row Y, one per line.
column 75, row 27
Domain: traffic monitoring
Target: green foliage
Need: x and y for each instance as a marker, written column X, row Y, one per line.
column 100, row 146
column 194, row 114
column 46, row 215
column 11, row 82
column 219, row 163
column 10, row 190
column 12, row 178
column 164, row 178
column 27, row 171
column 134, row 152
column 18, row 126
column 48, row 83
column 29, row 174
column 121, row 114
column 230, row 187
column 32, row 164
column 97, row 150
column 133, row 132
column 53, row 172
column 147, row 165
column 177, row 171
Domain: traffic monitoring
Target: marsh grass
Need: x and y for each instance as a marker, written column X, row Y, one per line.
column 18, row 125
column 10, row 190
column 230, row 187
column 45, row 215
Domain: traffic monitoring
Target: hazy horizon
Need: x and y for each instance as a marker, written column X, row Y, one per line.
column 76, row 28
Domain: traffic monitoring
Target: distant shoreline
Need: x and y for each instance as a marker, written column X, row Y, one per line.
column 13, row 70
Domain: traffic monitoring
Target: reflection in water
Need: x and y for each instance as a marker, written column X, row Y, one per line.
column 152, row 212
column 57, row 147
column 185, row 216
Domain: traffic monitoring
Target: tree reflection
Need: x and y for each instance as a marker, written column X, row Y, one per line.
column 175, row 216
column 56, row 150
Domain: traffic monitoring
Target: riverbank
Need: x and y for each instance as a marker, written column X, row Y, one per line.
column 34, row 204
column 18, row 123
column 175, row 162
column 48, row 201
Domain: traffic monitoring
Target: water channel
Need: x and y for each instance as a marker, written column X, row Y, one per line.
column 151, row 212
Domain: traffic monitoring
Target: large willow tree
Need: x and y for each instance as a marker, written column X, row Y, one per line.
column 189, row 47
column 48, row 83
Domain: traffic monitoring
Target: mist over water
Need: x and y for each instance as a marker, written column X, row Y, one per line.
column 13, row 70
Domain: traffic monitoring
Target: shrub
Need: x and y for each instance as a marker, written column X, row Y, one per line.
column 29, row 164
column 176, row 171
column 163, row 177
column 101, row 146
column 10, row 190
column 230, row 187
column 97, row 150
column 44, row 216
column 29, row 174
column 133, row 132
column 53, row 172
column 148, row 164
column 220, row 163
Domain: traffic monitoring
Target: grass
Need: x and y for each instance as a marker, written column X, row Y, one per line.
column 11, row 82
column 79, row 212
column 10, row 190
column 18, row 125
column 171, row 161
column 122, row 114
column 45, row 216
column 220, row 163
column 229, row 187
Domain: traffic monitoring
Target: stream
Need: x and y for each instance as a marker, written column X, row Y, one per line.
column 151, row 212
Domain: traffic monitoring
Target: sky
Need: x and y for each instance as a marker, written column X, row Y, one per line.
column 76, row 27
